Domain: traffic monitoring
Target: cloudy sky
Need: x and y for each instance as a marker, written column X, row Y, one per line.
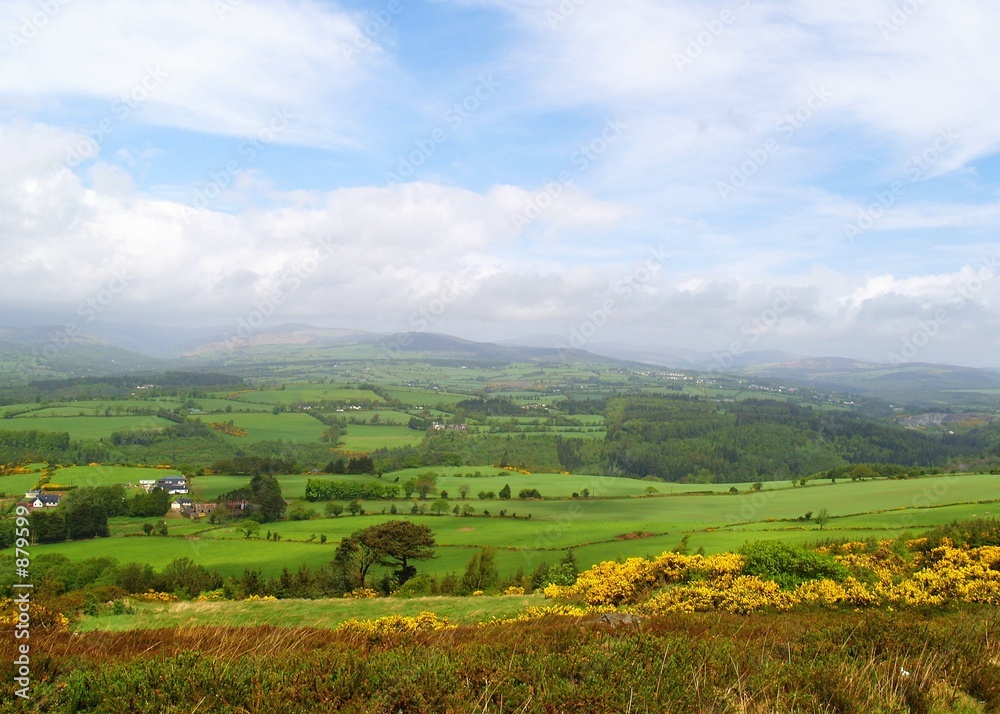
column 810, row 176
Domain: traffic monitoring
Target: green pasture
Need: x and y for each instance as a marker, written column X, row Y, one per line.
column 93, row 476
column 128, row 526
column 18, row 484
column 385, row 416
column 367, row 438
column 86, row 427
column 66, row 411
column 492, row 478
column 87, row 407
column 231, row 556
column 293, row 486
column 424, row 397
column 291, row 426
column 307, row 393
column 592, row 527
column 211, row 405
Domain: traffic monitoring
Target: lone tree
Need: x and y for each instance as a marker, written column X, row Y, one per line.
column 399, row 542
column 249, row 527
column 393, row 544
column 822, row 519
column 480, row 572
column 440, row 506
column 426, row 482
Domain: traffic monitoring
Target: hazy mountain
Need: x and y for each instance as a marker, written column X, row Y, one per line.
column 43, row 351
column 60, row 351
column 910, row 382
column 55, row 335
column 283, row 335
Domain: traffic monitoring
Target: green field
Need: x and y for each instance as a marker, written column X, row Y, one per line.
column 389, row 417
column 92, row 476
column 229, row 556
column 271, row 427
column 17, row 484
column 208, row 488
column 223, row 406
column 306, row 394
column 559, row 486
column 366, row 438
column 87, row 427
column 594, row 527
column 419, row 398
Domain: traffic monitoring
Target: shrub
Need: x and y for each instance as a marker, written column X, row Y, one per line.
column 789, row 565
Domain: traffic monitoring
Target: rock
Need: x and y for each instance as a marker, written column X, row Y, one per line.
column 615, row 619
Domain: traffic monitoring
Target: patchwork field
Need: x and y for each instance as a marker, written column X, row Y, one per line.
column 359, row 437
column 85, row 427
column 92, row 476
column 306, row 394
column 629, row 524
column 271, row 427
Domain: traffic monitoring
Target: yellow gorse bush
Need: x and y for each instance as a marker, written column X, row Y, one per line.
column 396, row 624
column 153, row 596
column 40, row 615
column 695, row 583
column 614, row 583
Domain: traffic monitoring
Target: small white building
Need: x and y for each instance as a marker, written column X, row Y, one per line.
column 46, row 500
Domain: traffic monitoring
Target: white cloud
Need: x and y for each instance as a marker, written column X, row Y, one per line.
column 220, row 67
column 701, row 96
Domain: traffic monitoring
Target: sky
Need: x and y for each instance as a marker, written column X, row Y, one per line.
column 820, row 178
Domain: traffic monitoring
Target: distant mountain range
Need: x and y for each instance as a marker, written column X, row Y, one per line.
column 115, row 348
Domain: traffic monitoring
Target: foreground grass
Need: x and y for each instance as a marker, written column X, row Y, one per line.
column 809, row 662
column 304, row 613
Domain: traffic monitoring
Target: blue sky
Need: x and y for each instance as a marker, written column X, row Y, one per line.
column 819, row 178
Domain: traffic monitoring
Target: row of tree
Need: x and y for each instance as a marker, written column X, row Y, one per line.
column 327, row 490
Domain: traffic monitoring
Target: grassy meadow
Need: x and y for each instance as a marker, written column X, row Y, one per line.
column 596, row 529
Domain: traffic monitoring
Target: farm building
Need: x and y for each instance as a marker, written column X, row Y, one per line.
column 46, row 500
